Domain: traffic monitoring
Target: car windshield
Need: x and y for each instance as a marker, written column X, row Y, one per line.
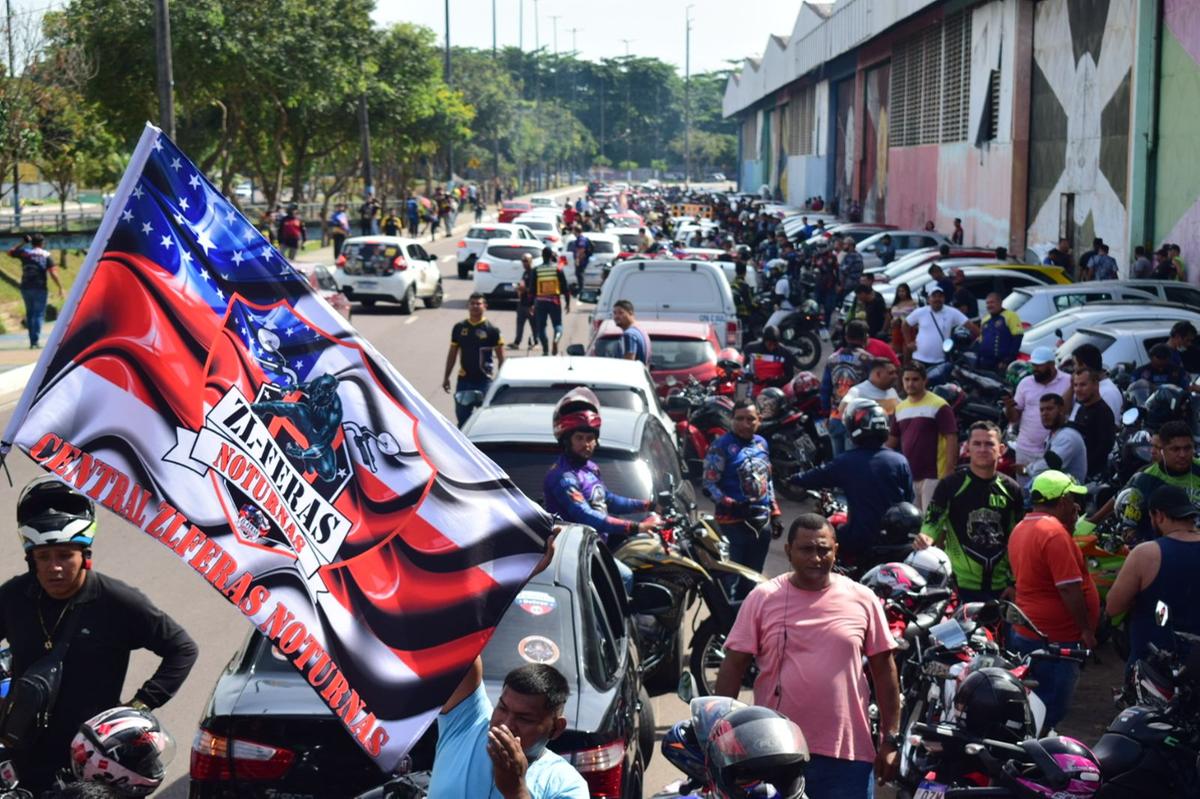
column 484, row 233
column 1081, row 337
column 537, row 224
column 325, row 280
column 665, row 353
column 1014, row 301
column 627, row 398
column 537, row 628
column 629, row 240
column 370, row 256
column 599, row 246
column 527, row 464
column 513, row 252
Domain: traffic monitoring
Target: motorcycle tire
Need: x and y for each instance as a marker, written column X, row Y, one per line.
column 807, row 345
column 708, row 652
column 664, row 679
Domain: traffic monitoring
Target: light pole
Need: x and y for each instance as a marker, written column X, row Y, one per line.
column 628, row 108
column 493, row 28
column 495, row 133
column 687, row 98
column 537, row 37
column 555, row 18
column 446, row 78
column 574, row 48
column 162, row 50
column 521, row 25
column 12, row 74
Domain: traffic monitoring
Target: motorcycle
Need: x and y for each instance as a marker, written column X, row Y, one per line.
column 797, row 441
column 801, row 331
column 1104, row 552
column 704, row 412
column 673, row 567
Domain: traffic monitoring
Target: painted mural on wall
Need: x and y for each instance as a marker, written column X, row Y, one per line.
column 875, row 144
column 1177, row 189
column 1079, row 122
column 844, row 143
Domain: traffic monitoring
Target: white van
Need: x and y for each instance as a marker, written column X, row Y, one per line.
column 688, row 291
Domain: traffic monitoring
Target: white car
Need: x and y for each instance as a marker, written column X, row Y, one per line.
column 544, row 227
column 499, row 268
column 618, row 383
column 1035, row 304
column 687, row 291
column 544, row 202
column 905, row 242
column 390, row 269
column 1129, row 343
column 1056, row 329
column 472, row 244
column 605, row 248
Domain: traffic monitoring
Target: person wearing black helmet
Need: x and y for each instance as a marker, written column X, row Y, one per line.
column 872, row 477
column 769, row 361
column 61, row 610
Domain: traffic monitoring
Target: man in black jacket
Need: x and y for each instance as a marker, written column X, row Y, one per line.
column 105, row 620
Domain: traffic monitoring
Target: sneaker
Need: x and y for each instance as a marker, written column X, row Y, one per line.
column 514, row 345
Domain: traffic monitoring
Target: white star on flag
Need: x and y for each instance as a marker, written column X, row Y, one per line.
column 187, row 257
column 146, row 228
column 179, row 220
column 137, row 191
column 220, row 294
column 249, row 234
column 229, row 216
column 166, row 242
column 194, row 181
column 267, row 253
column 127, row 216
column 204, row 241
column 183, row 203
column 157, row 143
column 237, row 257
column 176, row 165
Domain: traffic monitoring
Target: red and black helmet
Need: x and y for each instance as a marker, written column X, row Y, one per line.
column 577, row 411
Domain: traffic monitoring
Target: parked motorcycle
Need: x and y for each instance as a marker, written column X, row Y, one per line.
column 672, row 567
column 797, row 440
column 703, row 412
column 801, row 330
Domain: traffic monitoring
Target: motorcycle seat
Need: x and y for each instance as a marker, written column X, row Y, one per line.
column 1117, row 754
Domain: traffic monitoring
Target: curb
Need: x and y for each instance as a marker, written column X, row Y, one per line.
column 14, row 380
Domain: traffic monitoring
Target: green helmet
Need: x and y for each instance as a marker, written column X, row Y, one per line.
column 1017, row 371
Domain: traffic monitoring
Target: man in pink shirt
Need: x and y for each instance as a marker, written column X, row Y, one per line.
column 808, row 631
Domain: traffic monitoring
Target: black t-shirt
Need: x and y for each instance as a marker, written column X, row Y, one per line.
column 875, row 310
column 35, row 265
column 114, row 619
column 964, row 300
column 1099, row 430
column 477, row 346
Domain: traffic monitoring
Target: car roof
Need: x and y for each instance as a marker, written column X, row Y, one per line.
column 662, row 327
column 583, row 369
column 526, row 218
column 533, row 424
column 680, row 264
column 495, row 226
column 1139, row 326
column 518, row 242
column 611, row 238
column 1088, row 286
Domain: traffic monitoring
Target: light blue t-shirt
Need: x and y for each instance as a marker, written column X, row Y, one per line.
column 634, row 340
column 463, row 770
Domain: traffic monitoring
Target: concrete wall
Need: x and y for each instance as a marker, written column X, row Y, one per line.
column 1177, row 187
column 1080, row 122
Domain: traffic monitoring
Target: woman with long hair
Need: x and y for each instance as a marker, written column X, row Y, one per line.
column 902, row 306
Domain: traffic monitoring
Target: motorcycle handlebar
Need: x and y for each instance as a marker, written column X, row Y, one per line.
column 1076, row 653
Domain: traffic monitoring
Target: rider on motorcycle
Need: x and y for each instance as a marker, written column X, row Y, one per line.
column 573, row 488
column 872, row 477
column 769, row 361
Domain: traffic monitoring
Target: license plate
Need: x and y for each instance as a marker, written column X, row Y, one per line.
column 930, row 790
column 821, row 428
column 367, row 284
column 505, row 288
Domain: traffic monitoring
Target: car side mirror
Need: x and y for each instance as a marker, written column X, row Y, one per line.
column 1162, row 613
column 1130, row 416
column 576, row 349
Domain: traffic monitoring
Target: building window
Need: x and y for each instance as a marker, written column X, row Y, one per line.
column 930, row 91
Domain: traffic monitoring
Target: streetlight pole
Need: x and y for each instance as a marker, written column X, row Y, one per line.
column 555, row 18
column 493, row 28
column 162, row 51
column 446, row 78
column 537, row 38
column 495, row 134
column 574, row 48
column 628, row 110
column 12, row 75
column 687, row 98
column 521, row 25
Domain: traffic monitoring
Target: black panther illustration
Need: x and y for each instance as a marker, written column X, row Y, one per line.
column 318, row 415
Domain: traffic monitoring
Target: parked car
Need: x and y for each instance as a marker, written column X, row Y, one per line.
column 605, row 248
column 1054, row 330
column 511, row 209
column 686, row 291
column 636, row 453
column 1169, row 290
column 627, row 219
column 1130, row 343
column 1037, row 303
column 388, row 268
column 678, row 350
column 322, row 280
column 499, row 268
column 905, row 242
column 542, row 381
column 540, row 201
column 266, row 733
column 472, row 244
column 855, row 230
column 925, row 257
column 628, row 237
column 981, row 279
column 544, row 227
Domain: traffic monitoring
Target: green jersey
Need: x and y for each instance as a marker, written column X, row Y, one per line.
column 1146, row 482
column 971, row 518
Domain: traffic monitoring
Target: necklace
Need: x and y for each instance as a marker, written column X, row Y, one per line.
column 50, row 633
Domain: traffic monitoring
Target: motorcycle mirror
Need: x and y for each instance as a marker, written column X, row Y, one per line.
column 388, row 444
column 576, row 350
column 1162, row 613
column 268, row 340
column 1014, row 615
column 1130, row 416
column 948, row 346
column 686, row 690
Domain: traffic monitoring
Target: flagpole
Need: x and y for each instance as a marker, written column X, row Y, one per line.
column 132, row 173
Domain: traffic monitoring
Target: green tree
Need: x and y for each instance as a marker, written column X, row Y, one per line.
column 75, row 145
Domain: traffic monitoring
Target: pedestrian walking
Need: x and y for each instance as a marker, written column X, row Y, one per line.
column 37, row 264
column 392, row 224
column 292, row 234
column 338, row 228
column 1163, row 570
column 971, row 514
column 957, row 235
column 582, row 249
column 1102, row 265
column 1023, row 409
column 929, row 327
column 634, row 343
column 412, row 214
column 477, row 346
column 368, row 216
column 846, row 366
column 809, row 630
column 1054, row 588
column 550, row 290
column 925, row 431
column 525, row 294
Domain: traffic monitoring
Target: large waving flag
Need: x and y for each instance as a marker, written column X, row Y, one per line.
column 234, row 417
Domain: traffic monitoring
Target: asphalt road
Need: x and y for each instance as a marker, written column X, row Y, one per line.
column 416, row 345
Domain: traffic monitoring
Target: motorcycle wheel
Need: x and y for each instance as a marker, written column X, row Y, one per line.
column 708, row 653
column 807, row 345
column 664, row 679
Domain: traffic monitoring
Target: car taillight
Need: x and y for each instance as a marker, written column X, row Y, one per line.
column 483, row 266
column 399, row 264
column 731, row 334
column 602, row 767
column 341, row 261
column 562, row 260
column 217, row 757
column 552, row 237
column 1025, row 325
column 462, row 244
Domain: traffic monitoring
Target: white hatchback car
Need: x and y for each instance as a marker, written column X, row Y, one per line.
column 472, row 244
column 499, row 268
column 390, row 269
column 544, row 227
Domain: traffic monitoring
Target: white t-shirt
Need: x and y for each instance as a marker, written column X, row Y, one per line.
column 867, row 391
column 932, row 330
column 782, row 289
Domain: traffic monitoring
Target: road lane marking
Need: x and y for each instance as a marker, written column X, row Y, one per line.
column 447, row 257
column 410, row 320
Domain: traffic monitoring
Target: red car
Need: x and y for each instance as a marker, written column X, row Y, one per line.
column 678, row 350
column 511, row 209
